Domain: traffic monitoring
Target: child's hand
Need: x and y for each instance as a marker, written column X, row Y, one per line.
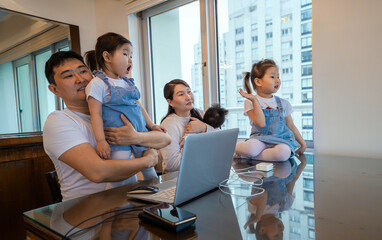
column 158, row 128
column 103, row 149
column 247, row 95
column 302, row 149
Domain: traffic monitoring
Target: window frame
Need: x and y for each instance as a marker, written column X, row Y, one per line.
column 210, row 52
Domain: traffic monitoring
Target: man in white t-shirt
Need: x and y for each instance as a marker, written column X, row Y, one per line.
column 69, row 140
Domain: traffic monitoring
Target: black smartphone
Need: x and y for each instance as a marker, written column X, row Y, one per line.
column 173, row 218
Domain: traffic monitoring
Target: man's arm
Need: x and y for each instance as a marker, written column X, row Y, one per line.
column 126, row 135
column 85, row 160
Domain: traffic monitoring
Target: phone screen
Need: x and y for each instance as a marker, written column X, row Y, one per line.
column 170, row 213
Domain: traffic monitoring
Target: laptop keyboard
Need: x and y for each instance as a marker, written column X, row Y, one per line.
column 168, row 194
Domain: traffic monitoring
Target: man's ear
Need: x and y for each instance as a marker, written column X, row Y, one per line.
column 169, row 102
column 106, row 56
column 53, row 89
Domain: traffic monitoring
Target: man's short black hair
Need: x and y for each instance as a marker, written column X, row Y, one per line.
column 58, row 59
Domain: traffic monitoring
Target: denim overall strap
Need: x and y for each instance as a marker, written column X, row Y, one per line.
column 275, row 131
column 123, row 101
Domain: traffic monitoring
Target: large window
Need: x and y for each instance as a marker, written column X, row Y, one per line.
column 183, row 39
column 176, row 53
column 233, row 15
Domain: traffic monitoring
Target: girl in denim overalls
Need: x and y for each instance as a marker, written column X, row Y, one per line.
column 273, row 136
column 111, row 94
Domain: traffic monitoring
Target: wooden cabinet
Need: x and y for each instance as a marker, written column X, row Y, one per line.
column 23, row 186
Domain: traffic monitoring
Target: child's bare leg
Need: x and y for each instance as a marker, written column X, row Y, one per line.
column 250, row 148
column 121, row 155
column 147, row 173
column 277, row 153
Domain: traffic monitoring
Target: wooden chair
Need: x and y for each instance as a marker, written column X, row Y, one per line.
column 54, row 186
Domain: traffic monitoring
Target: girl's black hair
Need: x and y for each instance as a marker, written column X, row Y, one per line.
column 168, row 92
column 108, row 42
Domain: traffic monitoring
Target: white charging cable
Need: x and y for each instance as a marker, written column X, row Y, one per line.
column 237, row 186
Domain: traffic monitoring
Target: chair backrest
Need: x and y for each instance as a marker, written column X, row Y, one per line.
column 54, row 186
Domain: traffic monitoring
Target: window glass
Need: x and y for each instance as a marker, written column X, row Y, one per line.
column 8, row 122
column 176, row 53
column 236, row 25
column 308, row 196
column 46, row 99
column 25, row 98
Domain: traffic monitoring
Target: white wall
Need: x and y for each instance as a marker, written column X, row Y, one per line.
column 81, row 13
column 347, row 84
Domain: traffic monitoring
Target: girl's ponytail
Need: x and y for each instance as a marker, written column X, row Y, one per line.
column 246, row 84
column 90, row 60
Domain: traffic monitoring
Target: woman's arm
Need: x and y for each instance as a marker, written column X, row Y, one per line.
column 300, row 140
column 126, row 135
column 256, row 114
column 172, row 154
column 95, row 108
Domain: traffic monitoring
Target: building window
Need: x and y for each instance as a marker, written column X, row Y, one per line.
column 254, row 27
column 307, row 135
column 306, row 83
column 311, row 234
column 306, row 42
column 306, row 56
column 294, row 218
column 239, row 42
column 305, row 3
column 308, row 183
column 239, row 30
column 295, row 230
column 254, row 38
column 286, row 31
column 310, row 221
column 306, row 96
column 306, row 70
column 286, row 18
column 306, row 14
column 240, row 54
column 287, row 70
column 307, row 113
column 287, row 58
column 268, row 23
column 308, row 196
column 268, row 35
column 286, row 45
column 239, row 66
column 306, row 28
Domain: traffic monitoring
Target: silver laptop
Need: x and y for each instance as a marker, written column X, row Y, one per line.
column 206, row 161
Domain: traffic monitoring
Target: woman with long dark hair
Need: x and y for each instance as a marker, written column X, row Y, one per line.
column 182, row 118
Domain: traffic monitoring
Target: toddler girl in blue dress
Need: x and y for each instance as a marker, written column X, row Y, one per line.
column 111, row 94
column 273, row 135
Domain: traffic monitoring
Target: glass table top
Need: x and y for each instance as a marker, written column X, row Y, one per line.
column 310, row 197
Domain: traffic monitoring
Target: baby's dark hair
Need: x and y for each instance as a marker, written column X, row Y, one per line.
column 108, row 42
column 215, row 116
column 258, row 71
